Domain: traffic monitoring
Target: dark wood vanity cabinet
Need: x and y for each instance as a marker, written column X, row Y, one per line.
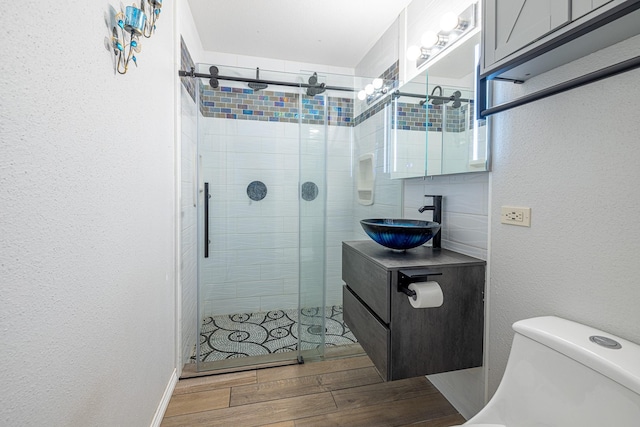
column 403, row 341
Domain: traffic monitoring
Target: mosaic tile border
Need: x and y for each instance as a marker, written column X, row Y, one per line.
column 274, row 106
column 186, row 62
column 288, row 107
column 413, row 116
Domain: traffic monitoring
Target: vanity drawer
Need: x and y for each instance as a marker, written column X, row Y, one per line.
column 372, row 335
column 369, row 281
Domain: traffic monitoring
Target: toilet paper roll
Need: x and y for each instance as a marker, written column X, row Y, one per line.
column 428, row 295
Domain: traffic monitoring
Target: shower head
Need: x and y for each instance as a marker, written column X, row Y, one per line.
column 316, row 90
column 437, row 101
column 256, row 86
column 455, row 97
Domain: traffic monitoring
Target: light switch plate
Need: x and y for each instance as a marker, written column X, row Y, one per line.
column 515, row 216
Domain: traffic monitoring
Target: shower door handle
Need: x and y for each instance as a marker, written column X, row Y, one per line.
column 206, row 219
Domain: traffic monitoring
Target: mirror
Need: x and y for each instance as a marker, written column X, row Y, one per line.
column 440, row 136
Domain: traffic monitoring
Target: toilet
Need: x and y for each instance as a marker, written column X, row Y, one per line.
column 563, row 374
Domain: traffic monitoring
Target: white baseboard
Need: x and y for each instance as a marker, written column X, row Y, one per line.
column 164, row 402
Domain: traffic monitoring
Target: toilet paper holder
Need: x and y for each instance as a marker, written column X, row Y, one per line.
column 407, row 277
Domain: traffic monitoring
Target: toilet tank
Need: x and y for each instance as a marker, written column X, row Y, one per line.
column 557, row 376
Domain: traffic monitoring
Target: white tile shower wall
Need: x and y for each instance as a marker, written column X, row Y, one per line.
column 339, row 214
column 247, row 268
column 370, row 137
column 188, row 228
column 312, row 216
column 253, row 263
column 434, row 153
column 465, row 209
column 409, row 151
column 456, row 151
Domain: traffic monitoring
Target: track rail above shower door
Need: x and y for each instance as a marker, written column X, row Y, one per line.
column 192, row 73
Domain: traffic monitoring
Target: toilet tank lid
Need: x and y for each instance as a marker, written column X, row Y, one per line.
column 572, row 340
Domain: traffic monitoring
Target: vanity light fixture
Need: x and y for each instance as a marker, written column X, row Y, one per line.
column 374, row 90
column 450, row 22
column 430, row 39
column 452, row 27
column 132, row 23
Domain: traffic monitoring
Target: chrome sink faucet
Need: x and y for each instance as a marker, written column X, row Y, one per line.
column 436, row 207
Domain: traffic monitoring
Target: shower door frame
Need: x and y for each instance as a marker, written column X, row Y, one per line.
column 272, row 359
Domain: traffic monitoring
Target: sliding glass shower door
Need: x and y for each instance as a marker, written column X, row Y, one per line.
column 261, row 219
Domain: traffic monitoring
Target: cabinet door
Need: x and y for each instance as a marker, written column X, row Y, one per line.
column 514, row 24
column 582, row 7
column 433, row 340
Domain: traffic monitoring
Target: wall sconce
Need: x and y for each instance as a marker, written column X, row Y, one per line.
column 452, row 27
column 374, row 90
column 130, row 25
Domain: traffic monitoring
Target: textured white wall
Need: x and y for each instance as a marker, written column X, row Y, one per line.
column 573, row 158
column 87, row 220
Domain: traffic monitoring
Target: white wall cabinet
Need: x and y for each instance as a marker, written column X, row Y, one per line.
column 523, row 38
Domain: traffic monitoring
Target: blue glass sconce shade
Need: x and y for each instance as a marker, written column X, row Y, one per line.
column 129, row 25
column 134, row 20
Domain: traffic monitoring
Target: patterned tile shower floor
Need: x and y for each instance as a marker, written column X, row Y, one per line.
column 254, row 334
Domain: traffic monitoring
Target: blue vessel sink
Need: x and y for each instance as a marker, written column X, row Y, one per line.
column 400, row 234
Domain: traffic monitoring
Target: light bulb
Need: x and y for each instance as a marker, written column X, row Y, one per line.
column 428, row 39
column 369, row 89
column 362, row 95
column 377, row 83
column 413, row 53
column 448, row 22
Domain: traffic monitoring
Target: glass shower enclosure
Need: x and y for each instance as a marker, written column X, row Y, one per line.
column 262, row 195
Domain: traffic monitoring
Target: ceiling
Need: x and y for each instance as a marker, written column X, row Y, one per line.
column 330, row 32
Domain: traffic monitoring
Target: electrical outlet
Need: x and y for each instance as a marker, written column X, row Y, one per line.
column 516, row 216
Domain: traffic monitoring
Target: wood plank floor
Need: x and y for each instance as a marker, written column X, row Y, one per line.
column 338, row 392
